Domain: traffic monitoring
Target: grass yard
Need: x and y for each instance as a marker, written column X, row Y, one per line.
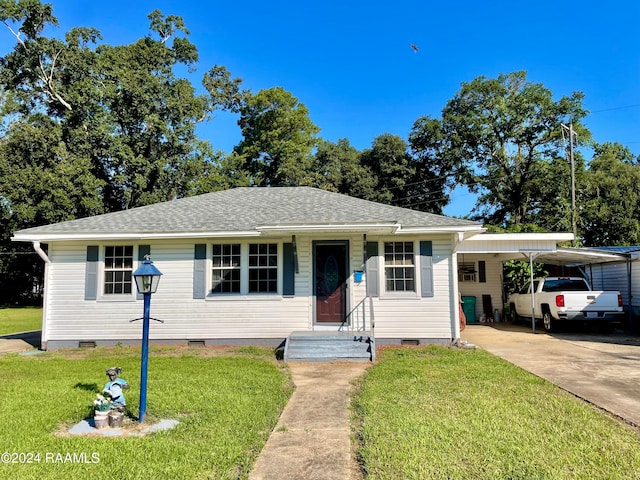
column 440, row 413
column 227, row 402
column 15, row 320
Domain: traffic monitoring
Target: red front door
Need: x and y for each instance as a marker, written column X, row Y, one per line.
column 330, row 282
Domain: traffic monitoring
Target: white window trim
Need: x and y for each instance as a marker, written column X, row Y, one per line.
column 393, row 294
column 210, row 276
column 244, row 273
column 116, row 297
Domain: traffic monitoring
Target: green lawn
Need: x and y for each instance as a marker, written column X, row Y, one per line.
column 445, row 413
column 15, row 320
column 227, row 403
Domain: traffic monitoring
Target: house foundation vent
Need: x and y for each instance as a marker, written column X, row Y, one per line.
column 410, row 341
column 87, row 344
column 196, row 343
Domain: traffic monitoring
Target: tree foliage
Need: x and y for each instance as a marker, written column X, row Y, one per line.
column 337, row 168
column 501, row 132
column 89, row 127
column 278, row 138
column 610, row 198
column 434, row 169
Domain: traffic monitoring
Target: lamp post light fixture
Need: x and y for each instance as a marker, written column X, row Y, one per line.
column 147, row 278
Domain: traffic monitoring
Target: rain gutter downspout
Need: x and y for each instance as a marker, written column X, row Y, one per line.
column 458, row 237
column 41, row 253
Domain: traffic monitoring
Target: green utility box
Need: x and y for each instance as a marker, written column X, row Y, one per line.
column 469, row 308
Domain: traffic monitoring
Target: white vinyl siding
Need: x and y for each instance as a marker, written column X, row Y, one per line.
column 225, row 317
column 412, row 316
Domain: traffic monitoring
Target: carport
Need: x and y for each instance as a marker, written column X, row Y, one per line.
column 489, row 251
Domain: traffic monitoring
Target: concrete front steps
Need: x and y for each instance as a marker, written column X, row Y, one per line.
column 325, row 346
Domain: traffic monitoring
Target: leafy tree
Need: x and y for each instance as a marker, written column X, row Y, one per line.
column 389, row 161
column 89, row 127
column 40, row 180
column 213, row 171
column 518, row 272
column 435, row 169
column 500, row 130
column 337, row 168
column 610, row 198
column 121, row 107
column 279, row 138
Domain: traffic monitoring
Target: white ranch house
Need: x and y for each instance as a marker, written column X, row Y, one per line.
column 254, row 265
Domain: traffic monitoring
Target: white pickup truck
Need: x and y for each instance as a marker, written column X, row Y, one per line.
column 564, row 299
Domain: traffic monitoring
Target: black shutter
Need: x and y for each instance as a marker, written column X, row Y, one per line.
column 482, row 271
column 288, row 270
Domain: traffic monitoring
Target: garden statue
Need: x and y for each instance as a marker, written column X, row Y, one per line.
column 114, row 388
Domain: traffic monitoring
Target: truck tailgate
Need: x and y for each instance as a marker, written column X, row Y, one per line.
column 593, row 304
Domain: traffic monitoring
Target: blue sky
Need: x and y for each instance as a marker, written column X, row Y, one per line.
column 351, row 64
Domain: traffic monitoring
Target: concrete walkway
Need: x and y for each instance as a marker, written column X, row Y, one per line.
column 312, row 439
column 601, row 369
column 20, row 342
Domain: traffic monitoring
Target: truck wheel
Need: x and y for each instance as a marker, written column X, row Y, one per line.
column 550, row 323
column 513, row 315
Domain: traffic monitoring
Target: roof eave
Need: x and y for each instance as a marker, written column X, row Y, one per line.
column 466, row 229
column 59, row 237
column 369, row 228
column 558, row 237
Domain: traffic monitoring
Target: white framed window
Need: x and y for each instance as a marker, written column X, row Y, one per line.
column 118, row 270
column 263, row 268
column 399, row 267
column 226, row 268
column 244, row 268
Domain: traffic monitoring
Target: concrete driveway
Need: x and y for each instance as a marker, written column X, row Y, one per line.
column 20, row 342
column 601, row 369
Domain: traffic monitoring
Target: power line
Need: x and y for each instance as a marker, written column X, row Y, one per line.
column 18, row 253
column 614, row 108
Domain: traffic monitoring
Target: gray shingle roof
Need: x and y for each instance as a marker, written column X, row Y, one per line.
column 247, row 209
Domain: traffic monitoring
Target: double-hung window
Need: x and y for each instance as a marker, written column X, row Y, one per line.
column 263, row 268
column 244, row 268
column 118, row 270
column 399, row 267
column 226, row 268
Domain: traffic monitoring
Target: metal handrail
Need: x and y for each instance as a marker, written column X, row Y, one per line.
column 373, row 330
column 359, row 314
column 356, row 319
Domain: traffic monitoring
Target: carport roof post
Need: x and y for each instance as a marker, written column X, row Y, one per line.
column 531, row 255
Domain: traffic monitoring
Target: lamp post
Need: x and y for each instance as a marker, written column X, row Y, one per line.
column 147, row 277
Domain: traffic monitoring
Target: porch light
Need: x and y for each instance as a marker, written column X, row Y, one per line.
column 147, row 277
